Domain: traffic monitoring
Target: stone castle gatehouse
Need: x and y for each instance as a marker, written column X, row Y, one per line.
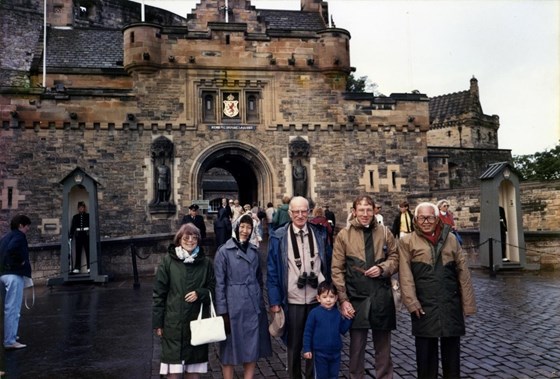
column 248, row 103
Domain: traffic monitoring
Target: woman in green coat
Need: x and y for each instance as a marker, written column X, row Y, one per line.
column 184, row 281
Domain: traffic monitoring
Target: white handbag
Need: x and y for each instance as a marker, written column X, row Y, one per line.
column 207, row 330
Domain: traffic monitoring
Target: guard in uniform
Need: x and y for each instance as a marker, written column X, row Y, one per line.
column 80, row 231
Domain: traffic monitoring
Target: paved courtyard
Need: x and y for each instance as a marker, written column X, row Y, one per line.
column 104, row 331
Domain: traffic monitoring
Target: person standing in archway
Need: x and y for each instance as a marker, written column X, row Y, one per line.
column 222, row 224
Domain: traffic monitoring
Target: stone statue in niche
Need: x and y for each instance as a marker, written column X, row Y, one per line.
column 162, row 165
column 163, row 183
column 299, row 175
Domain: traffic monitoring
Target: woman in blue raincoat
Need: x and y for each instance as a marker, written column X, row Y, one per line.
column 239, row 298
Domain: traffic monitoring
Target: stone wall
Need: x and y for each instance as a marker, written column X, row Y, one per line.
column 465, row 165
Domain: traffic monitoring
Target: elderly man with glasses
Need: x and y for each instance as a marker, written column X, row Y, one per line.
column 297, row 262
column 437, row 291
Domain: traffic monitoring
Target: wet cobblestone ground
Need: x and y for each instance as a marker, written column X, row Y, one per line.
column 104, row 331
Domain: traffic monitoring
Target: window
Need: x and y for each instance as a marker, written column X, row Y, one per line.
column 209, row 106
column 252, row 107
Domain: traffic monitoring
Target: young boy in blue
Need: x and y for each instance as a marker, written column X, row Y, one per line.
column 322, row 339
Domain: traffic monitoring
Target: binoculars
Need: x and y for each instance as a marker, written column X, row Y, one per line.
column 310, row 279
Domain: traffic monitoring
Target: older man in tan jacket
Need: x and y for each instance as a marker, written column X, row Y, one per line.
column 364, row 258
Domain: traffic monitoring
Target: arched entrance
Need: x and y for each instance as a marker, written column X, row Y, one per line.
column 246, row 164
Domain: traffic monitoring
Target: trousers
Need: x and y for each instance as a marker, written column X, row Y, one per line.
column 382, row 346
column 13, row 285
column 82, row 242
column 427, row 357
column 297, row 316
column 326, row 364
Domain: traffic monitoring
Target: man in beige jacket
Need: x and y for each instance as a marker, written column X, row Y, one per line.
column 364, row 258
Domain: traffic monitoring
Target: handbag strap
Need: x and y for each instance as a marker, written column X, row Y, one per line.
column 212, row 310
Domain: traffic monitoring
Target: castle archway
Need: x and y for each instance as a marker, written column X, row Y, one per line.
column 250, row 169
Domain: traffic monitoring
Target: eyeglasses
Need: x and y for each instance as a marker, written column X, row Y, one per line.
column 300, row 211
column 445, row 205
column 423, row 219
column 364, row 211
column 189, row 238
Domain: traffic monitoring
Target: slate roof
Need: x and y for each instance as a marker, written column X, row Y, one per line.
column 454, row 104
column 494, row 169
column 85, row 48
column 291, row 20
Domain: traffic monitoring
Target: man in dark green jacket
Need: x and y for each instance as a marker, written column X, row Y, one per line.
column 437, row 291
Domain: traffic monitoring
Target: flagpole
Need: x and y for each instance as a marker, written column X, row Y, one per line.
column 142, row 17
column 227, row 11
column 44, row 44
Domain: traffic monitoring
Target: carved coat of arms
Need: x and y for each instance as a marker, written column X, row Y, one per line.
column 231, row 106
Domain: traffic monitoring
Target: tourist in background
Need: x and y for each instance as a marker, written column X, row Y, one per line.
column 320, row 219
column 14, row 268
column 403, row 223
column 236, row 210
column 281, row 216
column 269, row 216
column 196, row 219
column 378, row 215
column 222, row 224
column 332, row 219
column 184, row 282
column 239, row 298
column 446, row 216
column 437, row 291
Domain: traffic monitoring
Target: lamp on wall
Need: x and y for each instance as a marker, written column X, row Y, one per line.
column 192, row 59
column 130, row 116
column 73, row 115
column 171, row 58
column 14, row 114
column 146, row 56
column 310, row 61
column 507, row 173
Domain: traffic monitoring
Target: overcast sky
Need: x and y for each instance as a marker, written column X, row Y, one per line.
column 511, row 46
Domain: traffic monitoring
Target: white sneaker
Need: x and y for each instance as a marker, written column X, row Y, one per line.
column 75, row 271
column 15, row 345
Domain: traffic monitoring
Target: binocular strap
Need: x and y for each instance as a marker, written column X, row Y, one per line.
column 297, row 256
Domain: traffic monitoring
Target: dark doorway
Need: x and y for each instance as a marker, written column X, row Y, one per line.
column 235, row 171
